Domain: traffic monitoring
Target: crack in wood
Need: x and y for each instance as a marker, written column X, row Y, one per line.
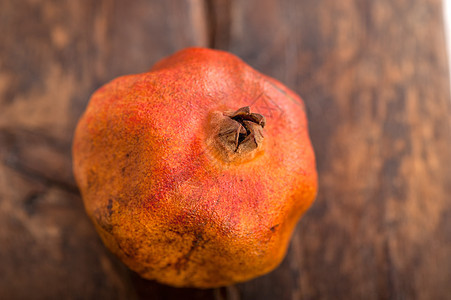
column 36, row 176
column 218, row 23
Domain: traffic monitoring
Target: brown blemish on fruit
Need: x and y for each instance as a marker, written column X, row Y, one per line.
column 196, row 243
column 110, row 207
column 273, row 228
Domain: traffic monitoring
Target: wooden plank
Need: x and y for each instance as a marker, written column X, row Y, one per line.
column 375, row 80
column 53, row 55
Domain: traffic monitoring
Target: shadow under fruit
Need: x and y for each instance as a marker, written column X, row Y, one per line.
column 196, row 172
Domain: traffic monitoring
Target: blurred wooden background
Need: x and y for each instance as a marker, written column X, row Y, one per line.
column 374, row 77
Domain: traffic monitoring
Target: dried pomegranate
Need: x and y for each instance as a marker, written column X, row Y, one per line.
column 196, row 172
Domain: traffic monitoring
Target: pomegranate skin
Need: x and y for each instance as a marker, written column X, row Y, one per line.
column 196, row 172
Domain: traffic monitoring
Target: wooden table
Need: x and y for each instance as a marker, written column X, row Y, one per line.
column 374, row 77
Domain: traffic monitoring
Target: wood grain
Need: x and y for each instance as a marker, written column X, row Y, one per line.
column 375, row 80
column 53, row 56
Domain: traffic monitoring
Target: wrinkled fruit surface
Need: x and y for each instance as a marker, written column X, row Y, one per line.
column 196, row 172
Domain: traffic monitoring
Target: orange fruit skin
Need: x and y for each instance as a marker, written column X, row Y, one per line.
column 162, row 202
